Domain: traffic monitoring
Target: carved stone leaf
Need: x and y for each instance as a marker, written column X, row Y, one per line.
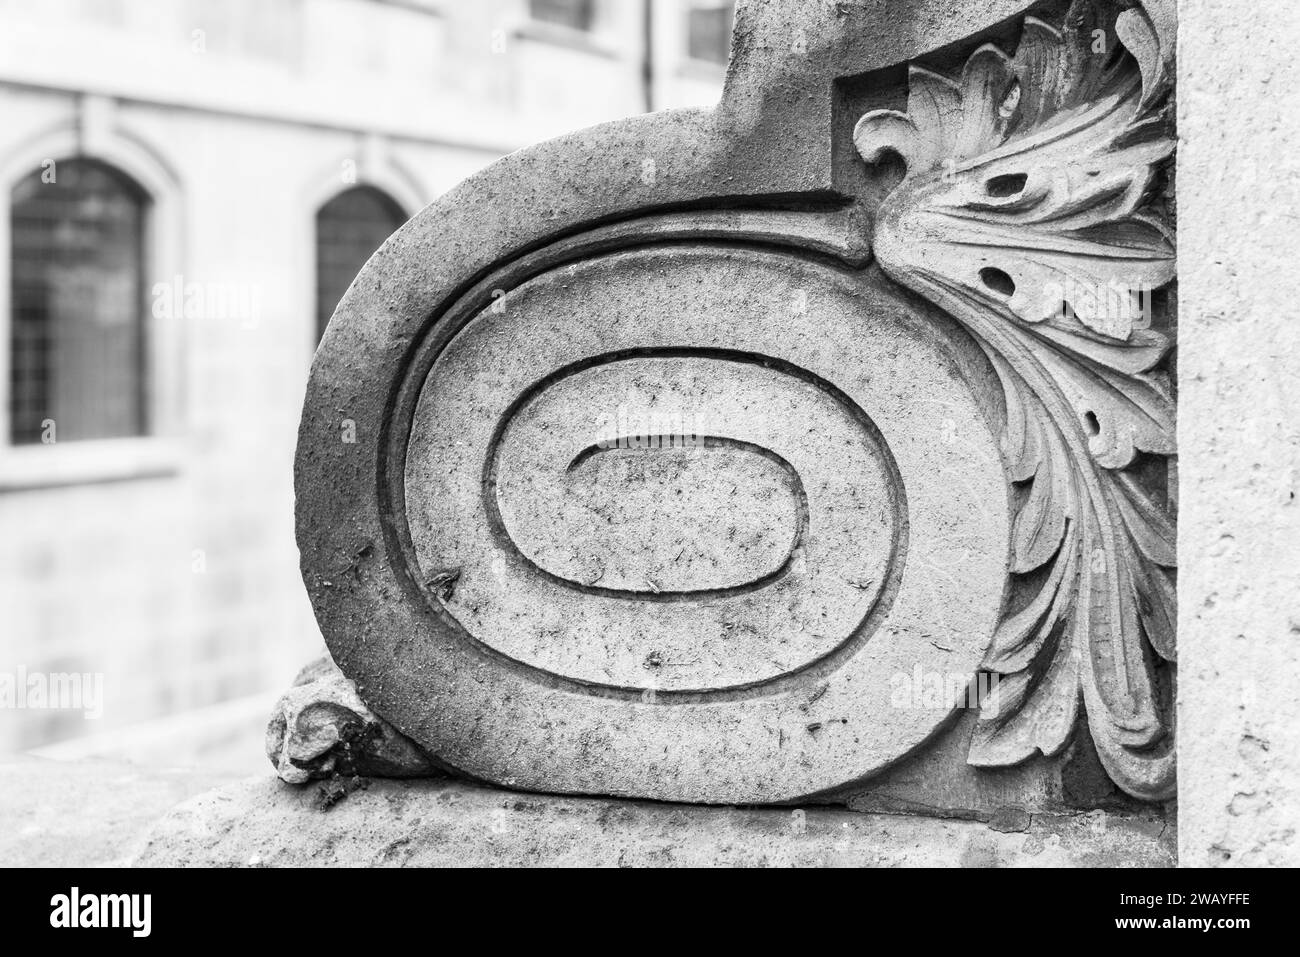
column 1027, row 213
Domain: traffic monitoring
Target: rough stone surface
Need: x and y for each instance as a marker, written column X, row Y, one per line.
column 1239, row 628
column 321, row 729
column 772, row 688
column 938, row 781
column 452, row 824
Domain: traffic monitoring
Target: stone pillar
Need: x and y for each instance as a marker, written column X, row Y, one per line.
column 1239, row 436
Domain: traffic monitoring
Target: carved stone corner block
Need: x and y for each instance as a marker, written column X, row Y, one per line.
column 672, row 486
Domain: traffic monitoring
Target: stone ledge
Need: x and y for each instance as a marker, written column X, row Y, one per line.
column 443, row 823
column 87, row 813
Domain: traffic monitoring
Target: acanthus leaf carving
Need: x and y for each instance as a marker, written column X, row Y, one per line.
column 1029, row 212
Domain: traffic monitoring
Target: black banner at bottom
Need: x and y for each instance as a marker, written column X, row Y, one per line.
column 331, row 907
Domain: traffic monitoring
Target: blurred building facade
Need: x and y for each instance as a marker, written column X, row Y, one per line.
column 186, row 188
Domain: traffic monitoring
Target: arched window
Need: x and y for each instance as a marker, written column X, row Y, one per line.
column 77, row 324
column 349, row 228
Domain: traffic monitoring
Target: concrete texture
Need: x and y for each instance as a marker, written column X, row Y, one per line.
column 1239, row 627
column 452, row 824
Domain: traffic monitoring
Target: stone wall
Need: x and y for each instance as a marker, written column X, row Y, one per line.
column 1239, row 627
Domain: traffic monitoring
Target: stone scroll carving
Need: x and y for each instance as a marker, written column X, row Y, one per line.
column 1030, row 211
column 652, row 461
